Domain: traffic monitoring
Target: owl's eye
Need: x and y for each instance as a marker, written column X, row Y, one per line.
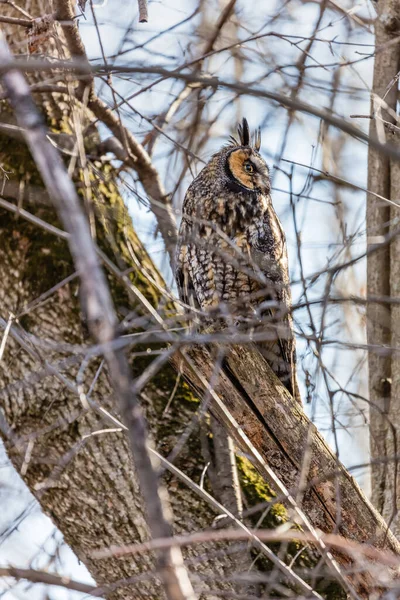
column 248, row 167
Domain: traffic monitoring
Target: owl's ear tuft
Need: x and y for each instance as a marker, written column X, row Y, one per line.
column 244, row 133
column 257, row 139
column 244, row 138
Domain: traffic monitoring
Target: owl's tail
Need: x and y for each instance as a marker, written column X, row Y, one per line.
column 280, row 354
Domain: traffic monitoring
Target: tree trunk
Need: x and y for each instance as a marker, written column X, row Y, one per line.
column 383, row 273
column 78, row 467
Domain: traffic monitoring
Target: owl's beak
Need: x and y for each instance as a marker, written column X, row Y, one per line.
column 263, row 183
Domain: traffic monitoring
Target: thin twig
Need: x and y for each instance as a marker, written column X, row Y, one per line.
column 273, row 535
column 214, row 82
column 47, row 578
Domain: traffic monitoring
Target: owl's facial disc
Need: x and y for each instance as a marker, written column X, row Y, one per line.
column 247, row 169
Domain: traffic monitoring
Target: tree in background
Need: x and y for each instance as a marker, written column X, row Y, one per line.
column 134, row 113
column 382, row 282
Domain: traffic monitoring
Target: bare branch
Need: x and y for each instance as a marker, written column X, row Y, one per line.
column 336, row 541
column 15, row 21
column 143, row 12
column 97, row 306
column 138, row 158
column 215, row 82
column 47, row 578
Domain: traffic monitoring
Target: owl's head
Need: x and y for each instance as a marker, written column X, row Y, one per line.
column 245, row 168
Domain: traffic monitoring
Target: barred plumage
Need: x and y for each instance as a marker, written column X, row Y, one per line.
column 232, row 251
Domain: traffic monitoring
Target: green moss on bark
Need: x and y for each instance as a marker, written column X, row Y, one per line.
column 47, row 257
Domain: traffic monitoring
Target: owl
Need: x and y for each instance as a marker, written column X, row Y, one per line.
column 231, row 260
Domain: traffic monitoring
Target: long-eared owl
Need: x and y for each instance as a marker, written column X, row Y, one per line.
column 231, row 256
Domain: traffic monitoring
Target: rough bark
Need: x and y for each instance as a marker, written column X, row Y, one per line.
column 383, row 272
column 280, row 433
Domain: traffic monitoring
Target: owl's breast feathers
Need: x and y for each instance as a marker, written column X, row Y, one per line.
column 231, row 246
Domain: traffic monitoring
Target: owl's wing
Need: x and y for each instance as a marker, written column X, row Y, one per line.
column 270, row 255
column 280, row 350
column 183, row 276
column 186, row 290
column 287, row 354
